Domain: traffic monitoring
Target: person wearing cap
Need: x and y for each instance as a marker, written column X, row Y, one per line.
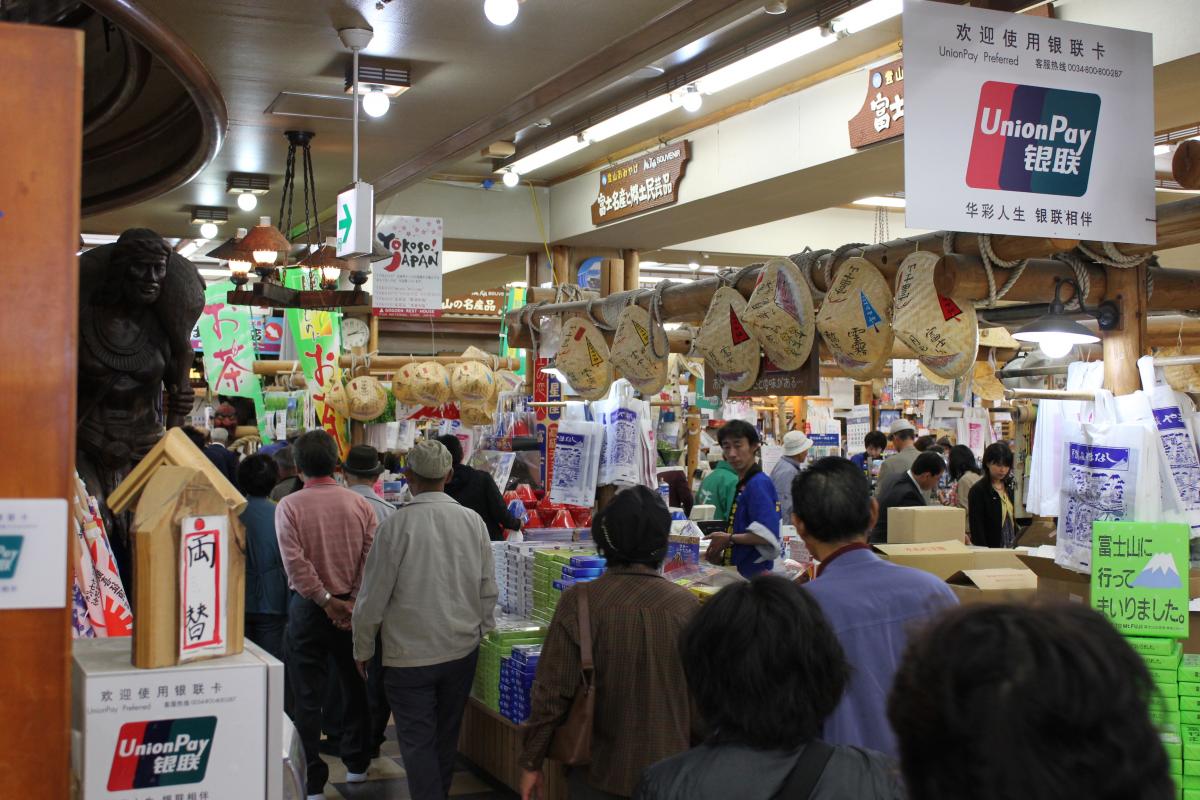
column 477, row 490
column 751, row 540
column 902, row 434
column 429, row 594
column 325, row 532
column 795, row 451
column 719, row 486
column 360, row 470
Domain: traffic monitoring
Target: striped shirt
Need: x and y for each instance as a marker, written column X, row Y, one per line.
column 325, row 532
column 643, row 713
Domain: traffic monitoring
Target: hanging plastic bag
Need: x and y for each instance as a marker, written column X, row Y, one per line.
column 620, row 459
column 1174, row 421
column 576, row 463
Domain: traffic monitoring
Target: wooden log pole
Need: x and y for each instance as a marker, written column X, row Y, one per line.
column 633, row 268
column 1123, row 346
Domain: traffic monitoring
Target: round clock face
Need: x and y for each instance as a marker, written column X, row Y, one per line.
column 355, row 333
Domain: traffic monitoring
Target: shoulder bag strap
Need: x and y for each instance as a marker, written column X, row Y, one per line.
column 585, row 632
column 803, row 778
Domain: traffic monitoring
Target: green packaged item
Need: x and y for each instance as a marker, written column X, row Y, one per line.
column 1147, row 646
column 1188, row 689
column 1190, row 735
column 1189, row 717
column 1174, row 749
column 1169, row 661
column 1191, row 768
column 1191, row 782
column 1164, row 676
column 1189, row 668
column 1189, row 703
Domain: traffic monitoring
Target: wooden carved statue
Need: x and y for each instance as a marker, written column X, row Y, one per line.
column 138, row 301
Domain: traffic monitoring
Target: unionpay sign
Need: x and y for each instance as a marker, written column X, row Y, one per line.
column 1025, row 125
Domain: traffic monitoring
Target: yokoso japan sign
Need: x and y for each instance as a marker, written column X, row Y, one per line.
column 1024, row 125
column 409, row 283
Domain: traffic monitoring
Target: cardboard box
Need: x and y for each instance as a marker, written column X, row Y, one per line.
column 913, row 524
column 943, row 559
column 1058, row 583
column 1003, row 585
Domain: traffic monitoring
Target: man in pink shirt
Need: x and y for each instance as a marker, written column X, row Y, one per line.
column 325, row 532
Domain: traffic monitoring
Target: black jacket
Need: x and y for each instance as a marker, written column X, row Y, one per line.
column 475, row 489
column 902, row 492
column 985, row 515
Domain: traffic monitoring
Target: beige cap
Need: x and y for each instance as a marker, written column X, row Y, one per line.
column 900, row 425
column 795, row 443
column 429, row 459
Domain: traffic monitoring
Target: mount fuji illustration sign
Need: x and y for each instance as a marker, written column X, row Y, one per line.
column 1139, row 577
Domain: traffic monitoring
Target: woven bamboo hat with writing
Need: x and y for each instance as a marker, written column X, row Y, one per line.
column 366, row 398
column 402, row 385
column 431, row 384
column 633, row 351
column 726, row 343
column 942, row 331
column 584, row 360
column 472, row 382
column 855, row 319
column 780, row 314
column 336, row 397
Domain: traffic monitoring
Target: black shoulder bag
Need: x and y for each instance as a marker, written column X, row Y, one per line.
column 809, row 766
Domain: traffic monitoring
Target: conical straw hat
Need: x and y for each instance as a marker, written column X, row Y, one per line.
column 725, row 342
column 942, row 331
column 402, row 385
column 476, row 413
column 856, row 319
column 985, row 383
column 431, row 384
column 367, row 398
column 780, row 314
column 336, row 398
column 932, row 376
column 472, row 382
column 584, row 360
column 633, row 350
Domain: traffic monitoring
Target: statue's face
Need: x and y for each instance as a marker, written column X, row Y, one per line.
column 144, row 278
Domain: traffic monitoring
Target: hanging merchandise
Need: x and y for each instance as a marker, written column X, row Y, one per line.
column 1182, row 378
column 1054, row 419
column 476, row 413
column 576, row 470
column 727, row 346
column 640, row 350
column 856, row 319
column 472, row 382
column 1175, row 421
column 985, row 383
column 942, row 331
column 101, row 607
column 1109, row 472
column 336, row 397
column 404, row 384
column 431, row 384
column 780, row 314
column 975, row 429
column 366, row 399
column 622, row 417
column 583, row 359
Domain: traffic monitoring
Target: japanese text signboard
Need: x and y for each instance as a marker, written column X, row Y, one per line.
column 227, row 337
column 1023, row 125
column 649, row 181
column 771, row 380
column 479, row 303
column 203, row 567
column 318, row 335
column 1139, row 577
column 882, row 114
column 409, row 283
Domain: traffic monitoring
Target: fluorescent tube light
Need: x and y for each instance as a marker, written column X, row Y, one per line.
column 1162, row 149
column 868, row 14
column 876, row 202
column 540, row 158
column 630, row 118
column 780, row 53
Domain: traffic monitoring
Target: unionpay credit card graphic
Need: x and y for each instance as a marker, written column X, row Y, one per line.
column 1033, row 139
column 167, row 752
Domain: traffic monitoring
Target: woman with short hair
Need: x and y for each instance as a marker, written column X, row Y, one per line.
column 766, row 670
column 642, row 709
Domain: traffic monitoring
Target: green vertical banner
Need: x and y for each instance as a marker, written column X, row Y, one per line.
column 516, row 299
column 1140, row 577
column 227, row 335
column 318, row 337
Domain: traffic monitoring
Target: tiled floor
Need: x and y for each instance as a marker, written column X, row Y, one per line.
column 386, row 780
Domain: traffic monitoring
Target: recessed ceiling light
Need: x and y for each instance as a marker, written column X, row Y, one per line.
column 776, row 7
column 501, row 12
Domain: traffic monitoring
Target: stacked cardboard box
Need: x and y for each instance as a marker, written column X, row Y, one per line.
column 517, row 672
column 1189, row 731
column 555, row 571
column 495, row 647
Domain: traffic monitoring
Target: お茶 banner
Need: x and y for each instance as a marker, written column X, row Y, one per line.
column 1024, row 125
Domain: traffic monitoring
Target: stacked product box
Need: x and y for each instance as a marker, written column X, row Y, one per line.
column 1189, row 730
column 577, row 569
column 555, row 572
column 517, row 672
column 500, row 564
column 495, row 647
column 1164, row 659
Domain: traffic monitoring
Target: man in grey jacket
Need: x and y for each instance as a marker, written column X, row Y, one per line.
column 429, row 590
column 902, row 434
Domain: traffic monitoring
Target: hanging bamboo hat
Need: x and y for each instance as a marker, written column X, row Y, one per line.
column 985, row 383
column 728, row 347
column 942, row 331
column 856, row 319
column 472, row 382
column 780, row 314
column 508, row 381
column 431, row 384
column 1183, row 378
column 366, row 398
column 402, row 386
column 336, row 397
column 584, row 360
column 476, row 413
column 633, row 350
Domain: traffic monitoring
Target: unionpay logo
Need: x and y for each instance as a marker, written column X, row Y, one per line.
column 1033, row 139
column 168, row 752
column 10, row 553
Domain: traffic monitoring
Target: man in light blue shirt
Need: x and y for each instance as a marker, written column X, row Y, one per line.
column 872, row 604
column 795, row 450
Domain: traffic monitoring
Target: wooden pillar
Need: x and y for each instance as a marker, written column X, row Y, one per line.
column 613, row 277
column 42, row 96
column 692, row 422
column 560, row 258
column 1123, row 346
column 633, row 269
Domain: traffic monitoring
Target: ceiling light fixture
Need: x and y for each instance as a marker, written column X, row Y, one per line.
column 540, row 158
column 631, row 118
column 511, row 178
column 376, row 103
column 879, row 201
column 1055, row 333
column 501, row 12
column 776, row 7
column 213, row 214
column 265, row 245
column 247, row 201
column 1162, row 149
column 228, row 251
column 325, row 259
column 209, row 230
column 691, row 100
column 868, row 14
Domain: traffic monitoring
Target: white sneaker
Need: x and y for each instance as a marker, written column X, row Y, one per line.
column 356, row 777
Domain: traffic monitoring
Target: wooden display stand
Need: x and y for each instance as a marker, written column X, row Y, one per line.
column 493, row 743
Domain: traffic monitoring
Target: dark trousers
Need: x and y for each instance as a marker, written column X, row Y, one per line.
column 268, row 631
column 377, row 702
column 428, row 704
column 312, row 639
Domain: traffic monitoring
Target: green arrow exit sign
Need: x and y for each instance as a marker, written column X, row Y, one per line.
column 355, row 220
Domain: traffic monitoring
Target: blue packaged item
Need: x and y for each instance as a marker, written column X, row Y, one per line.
column 564, row 584
column 582, row 572
column 587, row 561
